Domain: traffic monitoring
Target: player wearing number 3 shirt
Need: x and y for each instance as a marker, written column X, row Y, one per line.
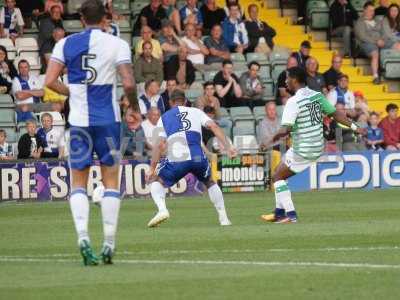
column 93, row 59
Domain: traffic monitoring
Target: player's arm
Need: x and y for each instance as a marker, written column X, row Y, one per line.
column 220, row 135
column 125, row 71
column 289, row 117
column 284, row 131
column 55, row 69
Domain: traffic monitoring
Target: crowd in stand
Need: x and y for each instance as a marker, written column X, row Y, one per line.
column 173, row 45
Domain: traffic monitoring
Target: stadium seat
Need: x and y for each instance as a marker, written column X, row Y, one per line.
column 245, row 143
column 12, row 135
column 73, row 26
column 137, row 6
column 73, row 7
column 224, row 112
column 241, row 113
column 358, row 4
column 239, row 71
column 7, row 117
column 318, row 14
column 209, row 75
column 265, row 73
column 268, row 91
column 6, row 101
column 237, row 57
column 8, row 44
column 244, row 128
column 122, row 7
column 261, row 58
column 259, row 112
column 26, row 44
column 390, row 63
column 193, row 94
column 278, row 58
column 198, row 76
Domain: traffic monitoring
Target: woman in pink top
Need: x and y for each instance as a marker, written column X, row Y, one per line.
column 50, row 3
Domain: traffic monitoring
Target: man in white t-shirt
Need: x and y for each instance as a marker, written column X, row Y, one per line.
column 341, row 94
column 196, row 49
column 148, row 125
column 27, row 88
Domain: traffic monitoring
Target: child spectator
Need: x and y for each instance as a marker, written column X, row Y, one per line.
column 11, row 19
column 30, row 145
column 6, row 150
column 361, row 105
column 374, row 139
column 53, row 138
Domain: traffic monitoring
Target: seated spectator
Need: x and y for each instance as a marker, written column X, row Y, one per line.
column 383, row 7
column 315, row 80
column 190, row 14
column 53, row 137
column 196, row 49
column 180, row 68
column 49, row 4
column 24, row 112
column 169, row 41
column 227, row 86
column 234, row 31
column 219, row 51
column 268, row 127
column 149, row 125
column 133, row 135
column 342, row 15
column 171, row 86
column 374, row 138
column 147, row 67
column 369, row 36
column 329, row 132
column 332, row 75
column 283, row 93
column 31, row 10
column 391, row 128
column 7, row 69
column 151, row 98
column 251, row 86
column 172, row 14
column 391, row 25
column 47, row 49
column 30, row 144
column 260, row 33
column 26, row 88
column 303, row 54
column 209, row 100
column 47, row 25
column 228, row 3
column 110, row 26
column 212, row 15
column 151, row 16
column 11, row 21
column 361, row 105
column 6, row 149
column 341, row 94
column 147, row 36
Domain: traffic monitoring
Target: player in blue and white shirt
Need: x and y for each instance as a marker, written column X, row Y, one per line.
column 179, row 131
column 53, row 137
column 93, row 58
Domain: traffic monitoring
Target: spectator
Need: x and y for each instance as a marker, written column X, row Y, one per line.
column 180, row 68
column 391, row 128
column 361, row 105
column 227, row 86
column 7, row 69
column 374, row 138
column 124, row 105
column 341, row 94
column 49, row 4
column 133, row 135
column 171, row 86
column 315, row 80
column 234, row 31
column 149, row 125
column 301, row 11
column 332, row 75
column 383, row 7
column 219, row 51
column 260, row 33
column 268, row 127
column 169, row 41
column 391, row 25
column 11, row 19
column 53, row 137
column 329, row 132
column 251, row 86
column 30, row 145
column 369, row 36
column 30, row 10
column 147, row 67
column 228, row 4
column 110, row 26
column 47, row 48
column 46, row 38
column 342, row 15
column 212, row 15
column 283, row 93
column 189, row 13
column 209, row 100
column 172, row 14
column 151, row 97
column 6, row 150
column 151, row 16
column 147, row 36
column 196, row 49
column 26, row 87
column 24, row 112
column 303, row 54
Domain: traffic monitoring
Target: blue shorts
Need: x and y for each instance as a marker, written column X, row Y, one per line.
column 172, row 172
column 105, row 141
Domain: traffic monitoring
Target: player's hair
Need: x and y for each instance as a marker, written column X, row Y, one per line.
column 368, row 3
column 145, row 43
column 207, row 83
column 391, row 106
column 46, row 114
column 92, row 11
column 227, row 62
column 23, row 61
column 297, row 73
column 2, row 131
column 253, row 63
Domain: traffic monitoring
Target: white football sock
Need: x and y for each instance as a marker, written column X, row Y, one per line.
column 158, row 194
column 79, row 204
column 216, row 197
column 110, row 205
column 283, row 196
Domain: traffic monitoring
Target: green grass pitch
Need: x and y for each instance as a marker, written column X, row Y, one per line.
column 345, row 246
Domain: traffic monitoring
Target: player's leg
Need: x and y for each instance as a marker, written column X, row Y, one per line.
column 107, row 147
column 80, row 159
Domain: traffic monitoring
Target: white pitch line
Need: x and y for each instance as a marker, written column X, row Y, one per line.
column 220, row 262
